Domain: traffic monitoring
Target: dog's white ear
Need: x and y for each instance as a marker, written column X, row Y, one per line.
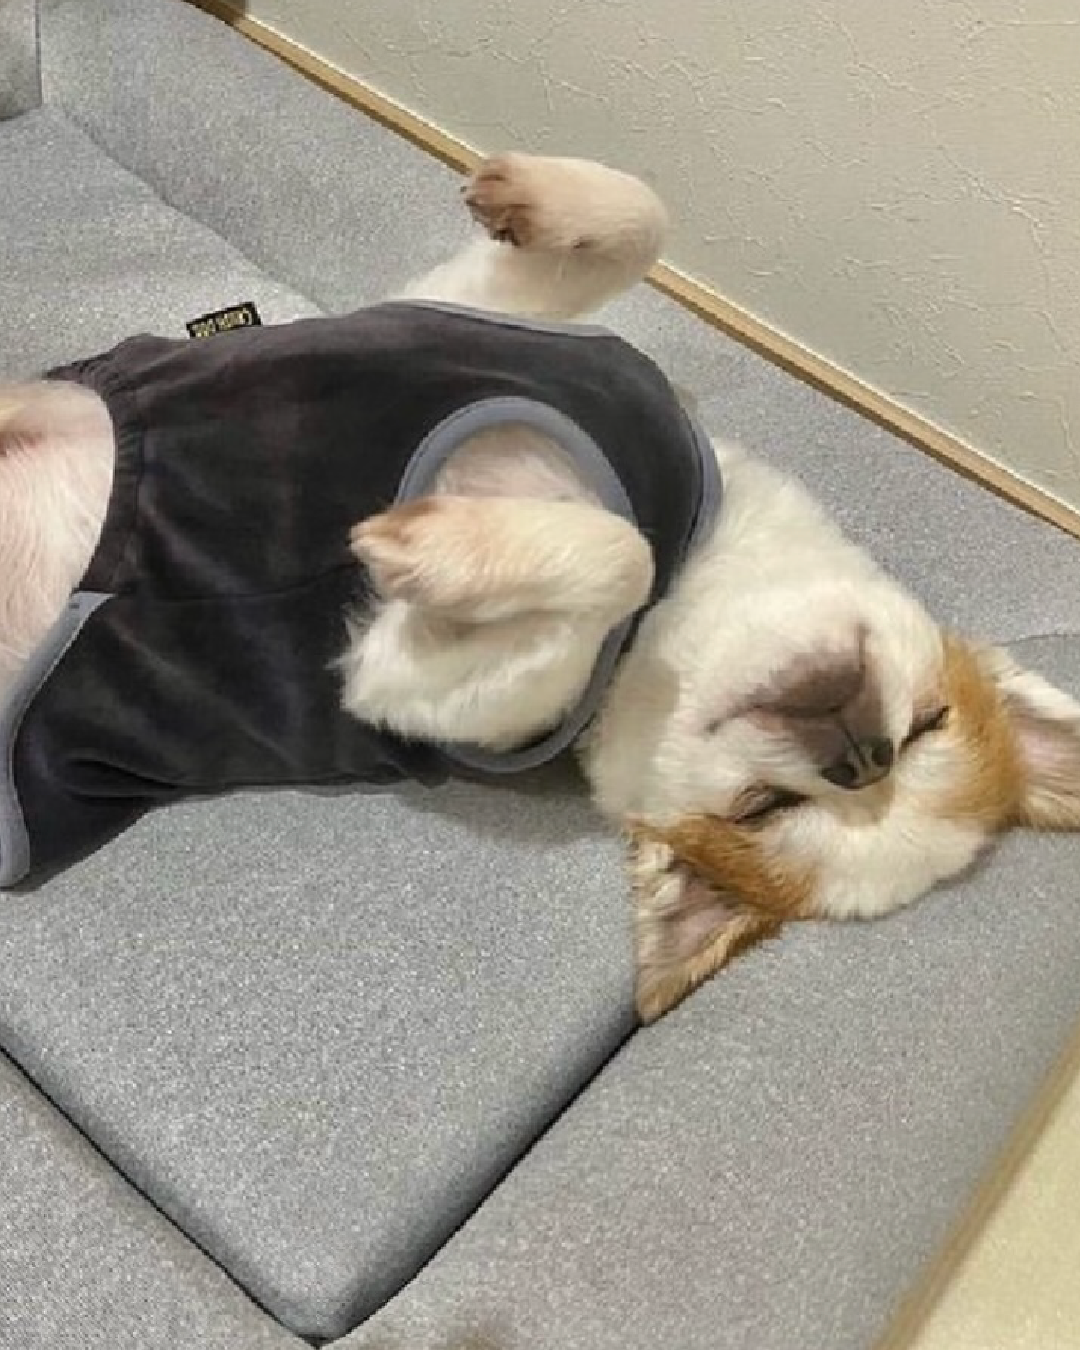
column 1046, row 731
column 685, row 926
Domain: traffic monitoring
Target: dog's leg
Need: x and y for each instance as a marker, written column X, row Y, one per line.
column 498, row 592
column 483, row 560
column 56, row 458
column 564, row 236
column 493, row 612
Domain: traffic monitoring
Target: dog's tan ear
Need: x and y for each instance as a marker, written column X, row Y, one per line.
column 1045, row 726
column 686, row 927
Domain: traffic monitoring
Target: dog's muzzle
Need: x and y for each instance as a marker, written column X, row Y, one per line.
column 862, row 764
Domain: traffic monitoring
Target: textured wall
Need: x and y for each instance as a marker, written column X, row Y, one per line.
column 894, row 185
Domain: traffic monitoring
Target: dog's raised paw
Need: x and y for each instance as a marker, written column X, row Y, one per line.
column 529, row 201
column 501, row 199
column 428, row 552
column 554, row 204
column 392, row 547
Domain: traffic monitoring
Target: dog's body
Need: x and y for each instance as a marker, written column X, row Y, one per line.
column 789, row 735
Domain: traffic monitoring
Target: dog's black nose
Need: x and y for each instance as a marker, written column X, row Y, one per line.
column 865, row 763
column 843, row 773
column 881, row 753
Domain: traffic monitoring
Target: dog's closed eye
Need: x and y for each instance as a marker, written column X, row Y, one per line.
column 761, row 804
column 926, row 724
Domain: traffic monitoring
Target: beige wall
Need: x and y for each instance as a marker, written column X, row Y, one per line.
column 1010, row 1281
column 895, row 184
column 1017, row 1288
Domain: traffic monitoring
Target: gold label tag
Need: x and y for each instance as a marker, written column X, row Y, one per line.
column 244, row 315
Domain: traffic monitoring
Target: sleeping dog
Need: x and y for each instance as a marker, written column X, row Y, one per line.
column 456, row 533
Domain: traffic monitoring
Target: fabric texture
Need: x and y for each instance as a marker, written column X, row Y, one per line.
column 87, row 1264
column 307, row 202
column 20, row 86
column 101, row 256
column 317, row 1030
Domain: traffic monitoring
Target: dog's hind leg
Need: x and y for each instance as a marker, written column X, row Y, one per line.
column 56, row 463
column 564, row 236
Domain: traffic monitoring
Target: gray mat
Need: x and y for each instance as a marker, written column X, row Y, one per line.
column 316, row 1030
column 92, row 255
column 87, row 1264
column 302, row 184
column 19, row 82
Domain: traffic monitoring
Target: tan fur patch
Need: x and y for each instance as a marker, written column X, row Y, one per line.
column 409, row 560
column 740, row 860
column 990, row 790
column 1053, row 807
column 501, row 197
column 704, row 891
column 657, row 991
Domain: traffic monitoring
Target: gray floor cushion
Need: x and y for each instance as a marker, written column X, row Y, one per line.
column 318, row 1032
column 20, row 87
column 312, row 191
column 86, row 1263
column 92, row 254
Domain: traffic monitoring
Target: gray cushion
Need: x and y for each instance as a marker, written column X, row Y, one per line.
column 316, row 1030
column 19, row 82
column 96, row 255
column 87, row 1264
column 303, row 185
column 768, row 1167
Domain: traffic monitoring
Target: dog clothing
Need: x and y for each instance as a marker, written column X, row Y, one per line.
column 198, row 653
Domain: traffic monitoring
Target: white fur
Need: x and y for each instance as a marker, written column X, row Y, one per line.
column 777, row 579
column 497, row 600
column 56, row 458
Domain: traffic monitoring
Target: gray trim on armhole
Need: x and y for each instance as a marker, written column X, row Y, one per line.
column 419, row 479
column 14, row 840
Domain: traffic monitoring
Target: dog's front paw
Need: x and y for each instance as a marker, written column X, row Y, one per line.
column 489, row 559
column 430, row 552
column 395, row 550
column 502, row 196
column 550, row 204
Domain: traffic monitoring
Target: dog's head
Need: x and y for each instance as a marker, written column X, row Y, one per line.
column 840, row 776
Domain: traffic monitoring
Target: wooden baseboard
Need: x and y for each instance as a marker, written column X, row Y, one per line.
column 737, row 323
column 918, row 1306
column 384, row 110
column 862, row 398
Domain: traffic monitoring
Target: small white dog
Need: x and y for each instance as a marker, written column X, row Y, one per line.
column 788, row 736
